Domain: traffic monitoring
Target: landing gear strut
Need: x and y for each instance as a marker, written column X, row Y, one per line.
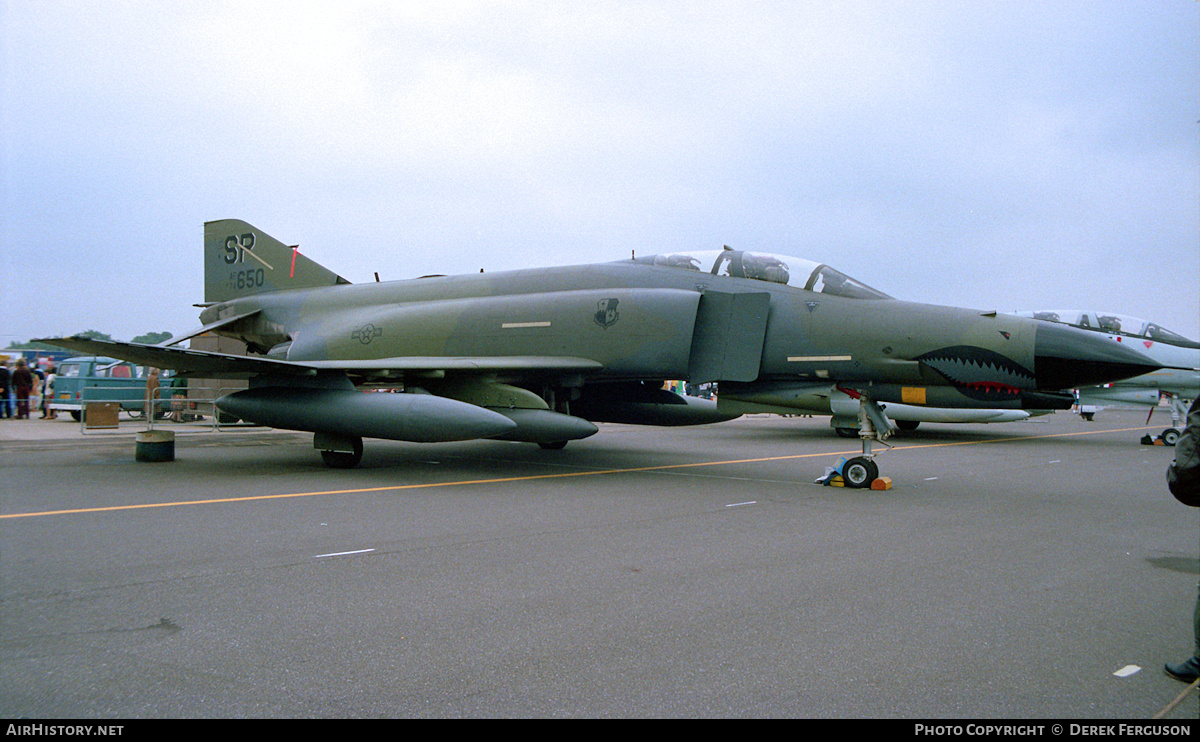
column 874, row 427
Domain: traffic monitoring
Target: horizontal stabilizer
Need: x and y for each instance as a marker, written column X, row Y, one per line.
column 210, row 327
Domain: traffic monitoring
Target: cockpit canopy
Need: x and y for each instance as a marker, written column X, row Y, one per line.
column 781, row 269
column 1114, row 323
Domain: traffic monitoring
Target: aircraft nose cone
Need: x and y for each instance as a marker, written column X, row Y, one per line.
column 1066, row 358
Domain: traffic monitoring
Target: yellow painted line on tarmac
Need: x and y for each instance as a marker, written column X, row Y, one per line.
column 535, row 477
column 398, row 487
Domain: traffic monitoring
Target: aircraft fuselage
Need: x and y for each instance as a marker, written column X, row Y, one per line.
column 640, row 321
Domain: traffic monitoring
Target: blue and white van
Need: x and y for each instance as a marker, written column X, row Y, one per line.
column 86, row 379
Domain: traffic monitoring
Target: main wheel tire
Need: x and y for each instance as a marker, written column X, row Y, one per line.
column 1170, row 436
column 859, row 472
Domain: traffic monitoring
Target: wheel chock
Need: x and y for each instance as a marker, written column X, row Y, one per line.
column 882, row 483
column 833, row 473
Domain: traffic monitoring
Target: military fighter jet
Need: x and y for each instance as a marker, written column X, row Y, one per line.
column 541, row 355
column 1178, row 381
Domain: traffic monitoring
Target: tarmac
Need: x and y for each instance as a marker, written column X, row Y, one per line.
column 1036, row 570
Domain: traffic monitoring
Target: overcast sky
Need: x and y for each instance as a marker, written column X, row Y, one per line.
column 993, row 155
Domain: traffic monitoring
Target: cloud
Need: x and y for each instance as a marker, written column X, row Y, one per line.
column 1003, row 153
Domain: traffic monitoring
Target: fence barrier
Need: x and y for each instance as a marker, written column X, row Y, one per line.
column 103, row 408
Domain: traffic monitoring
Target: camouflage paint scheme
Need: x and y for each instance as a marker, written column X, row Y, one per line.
column 539, row 355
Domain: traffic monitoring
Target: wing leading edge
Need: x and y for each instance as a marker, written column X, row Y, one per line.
column 209, row 364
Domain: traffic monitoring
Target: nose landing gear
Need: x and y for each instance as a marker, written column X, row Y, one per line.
column 861, row 472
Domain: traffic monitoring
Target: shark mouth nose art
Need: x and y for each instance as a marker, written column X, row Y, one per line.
column 978, row 372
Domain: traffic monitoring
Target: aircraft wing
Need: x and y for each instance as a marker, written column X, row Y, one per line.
column 208, row 364
column 464, row 364
column 183, row 360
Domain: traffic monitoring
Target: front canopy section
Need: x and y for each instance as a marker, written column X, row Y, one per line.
column 1112, row 323
column 770, row 268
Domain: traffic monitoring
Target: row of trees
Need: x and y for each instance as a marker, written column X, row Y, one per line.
column 149, row 338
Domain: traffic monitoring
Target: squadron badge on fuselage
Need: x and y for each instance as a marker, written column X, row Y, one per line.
column 606, row 315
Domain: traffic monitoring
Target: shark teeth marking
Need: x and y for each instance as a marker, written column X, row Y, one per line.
column 979, row 372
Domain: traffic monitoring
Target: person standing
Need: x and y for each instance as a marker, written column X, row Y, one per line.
column 22, row 381
column 35, row 392
column 152, row 385
column 48, row 394
column 5, row 384
column 1183, row 479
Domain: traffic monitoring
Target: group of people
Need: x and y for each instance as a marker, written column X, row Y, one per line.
column 26, row 383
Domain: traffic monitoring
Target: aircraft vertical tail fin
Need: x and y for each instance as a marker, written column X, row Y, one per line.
column 240, row 260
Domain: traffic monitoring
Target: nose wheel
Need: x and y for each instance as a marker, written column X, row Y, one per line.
column 859, row 472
